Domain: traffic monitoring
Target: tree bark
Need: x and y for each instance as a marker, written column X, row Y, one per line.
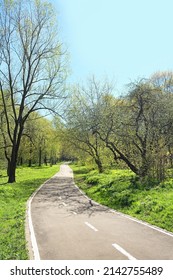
column 12, row 165
column 12, row 162
column 30, row 163
column 12, row 173
column 121, row 156
column 99, row 165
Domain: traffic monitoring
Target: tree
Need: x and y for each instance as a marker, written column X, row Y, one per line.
column 164, row 82
column 135, row 128
column 81, row 120
column 111, row 130
column 39, row 143
column 32, row 70
column 144, row 124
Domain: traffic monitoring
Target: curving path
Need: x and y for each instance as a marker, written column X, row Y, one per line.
column 68, row 226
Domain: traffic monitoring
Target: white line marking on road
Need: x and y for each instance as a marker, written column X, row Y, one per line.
column 130, row 217
column 82, row 192
column 124, row 252
column 143, row 223
column 34, row 245
column 31, row 227
column 90, row 226
column 32, row 233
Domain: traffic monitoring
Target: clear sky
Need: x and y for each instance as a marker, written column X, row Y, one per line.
column 121, row 39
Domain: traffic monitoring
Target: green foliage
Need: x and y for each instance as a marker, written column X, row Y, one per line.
column 34, row 81
column 122, row 190
column 80, row 169
column 144, row 183
column 13, row 199
column 134, row 131
column 39, row 143
column 109, row 188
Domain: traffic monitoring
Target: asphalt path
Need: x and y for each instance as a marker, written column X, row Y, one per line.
column 68, row 226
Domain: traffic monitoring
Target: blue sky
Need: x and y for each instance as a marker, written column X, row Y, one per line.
column 121, row 39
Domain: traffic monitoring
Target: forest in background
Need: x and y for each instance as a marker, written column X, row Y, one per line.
column 44, row 119
column 102, row 129
column 120, row 145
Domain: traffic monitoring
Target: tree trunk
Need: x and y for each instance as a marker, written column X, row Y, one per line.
column 12, row 161
column 8, row 167
column 30, row 163
column 12, row 173
column 99, row 165
column 145, row 168
column 40, row 156
column 12, row 167
column 45, row 160
column 30, row 155
column 121, row 156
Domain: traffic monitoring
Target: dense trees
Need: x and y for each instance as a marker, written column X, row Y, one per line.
column 136, row 128
column 31, row 69
column 80, row 121
column 39, row 143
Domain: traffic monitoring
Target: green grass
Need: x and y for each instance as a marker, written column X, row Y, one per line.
column 13, row 198
column 119, row 190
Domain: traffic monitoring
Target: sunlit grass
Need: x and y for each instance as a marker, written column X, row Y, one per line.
column 13, row 198
column 115, row 189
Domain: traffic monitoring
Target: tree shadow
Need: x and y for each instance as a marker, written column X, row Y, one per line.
column 3, row 177
column 59, row 190
column 2, row 184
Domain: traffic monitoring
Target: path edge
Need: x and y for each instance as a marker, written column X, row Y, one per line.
column 154, row 227
column 31, row 241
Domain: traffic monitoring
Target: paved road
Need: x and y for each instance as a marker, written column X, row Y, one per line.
column 68, row 227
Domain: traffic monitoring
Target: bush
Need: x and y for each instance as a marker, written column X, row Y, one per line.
column 142, row 184
column 148, row 205
column 121, row 199
column 125, row 199
column 92, row 180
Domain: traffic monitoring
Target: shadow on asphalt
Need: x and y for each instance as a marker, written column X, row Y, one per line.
column 59, row 190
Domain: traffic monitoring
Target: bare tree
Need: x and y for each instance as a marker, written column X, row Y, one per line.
column 163, row 80
column 32, row 68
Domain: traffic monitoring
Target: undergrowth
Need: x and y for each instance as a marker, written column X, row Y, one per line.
column 121, row 190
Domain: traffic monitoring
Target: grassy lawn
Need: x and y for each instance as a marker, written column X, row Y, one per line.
column 13, row 198
column 118, row 190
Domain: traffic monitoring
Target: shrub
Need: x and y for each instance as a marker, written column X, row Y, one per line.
column 142, row 184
